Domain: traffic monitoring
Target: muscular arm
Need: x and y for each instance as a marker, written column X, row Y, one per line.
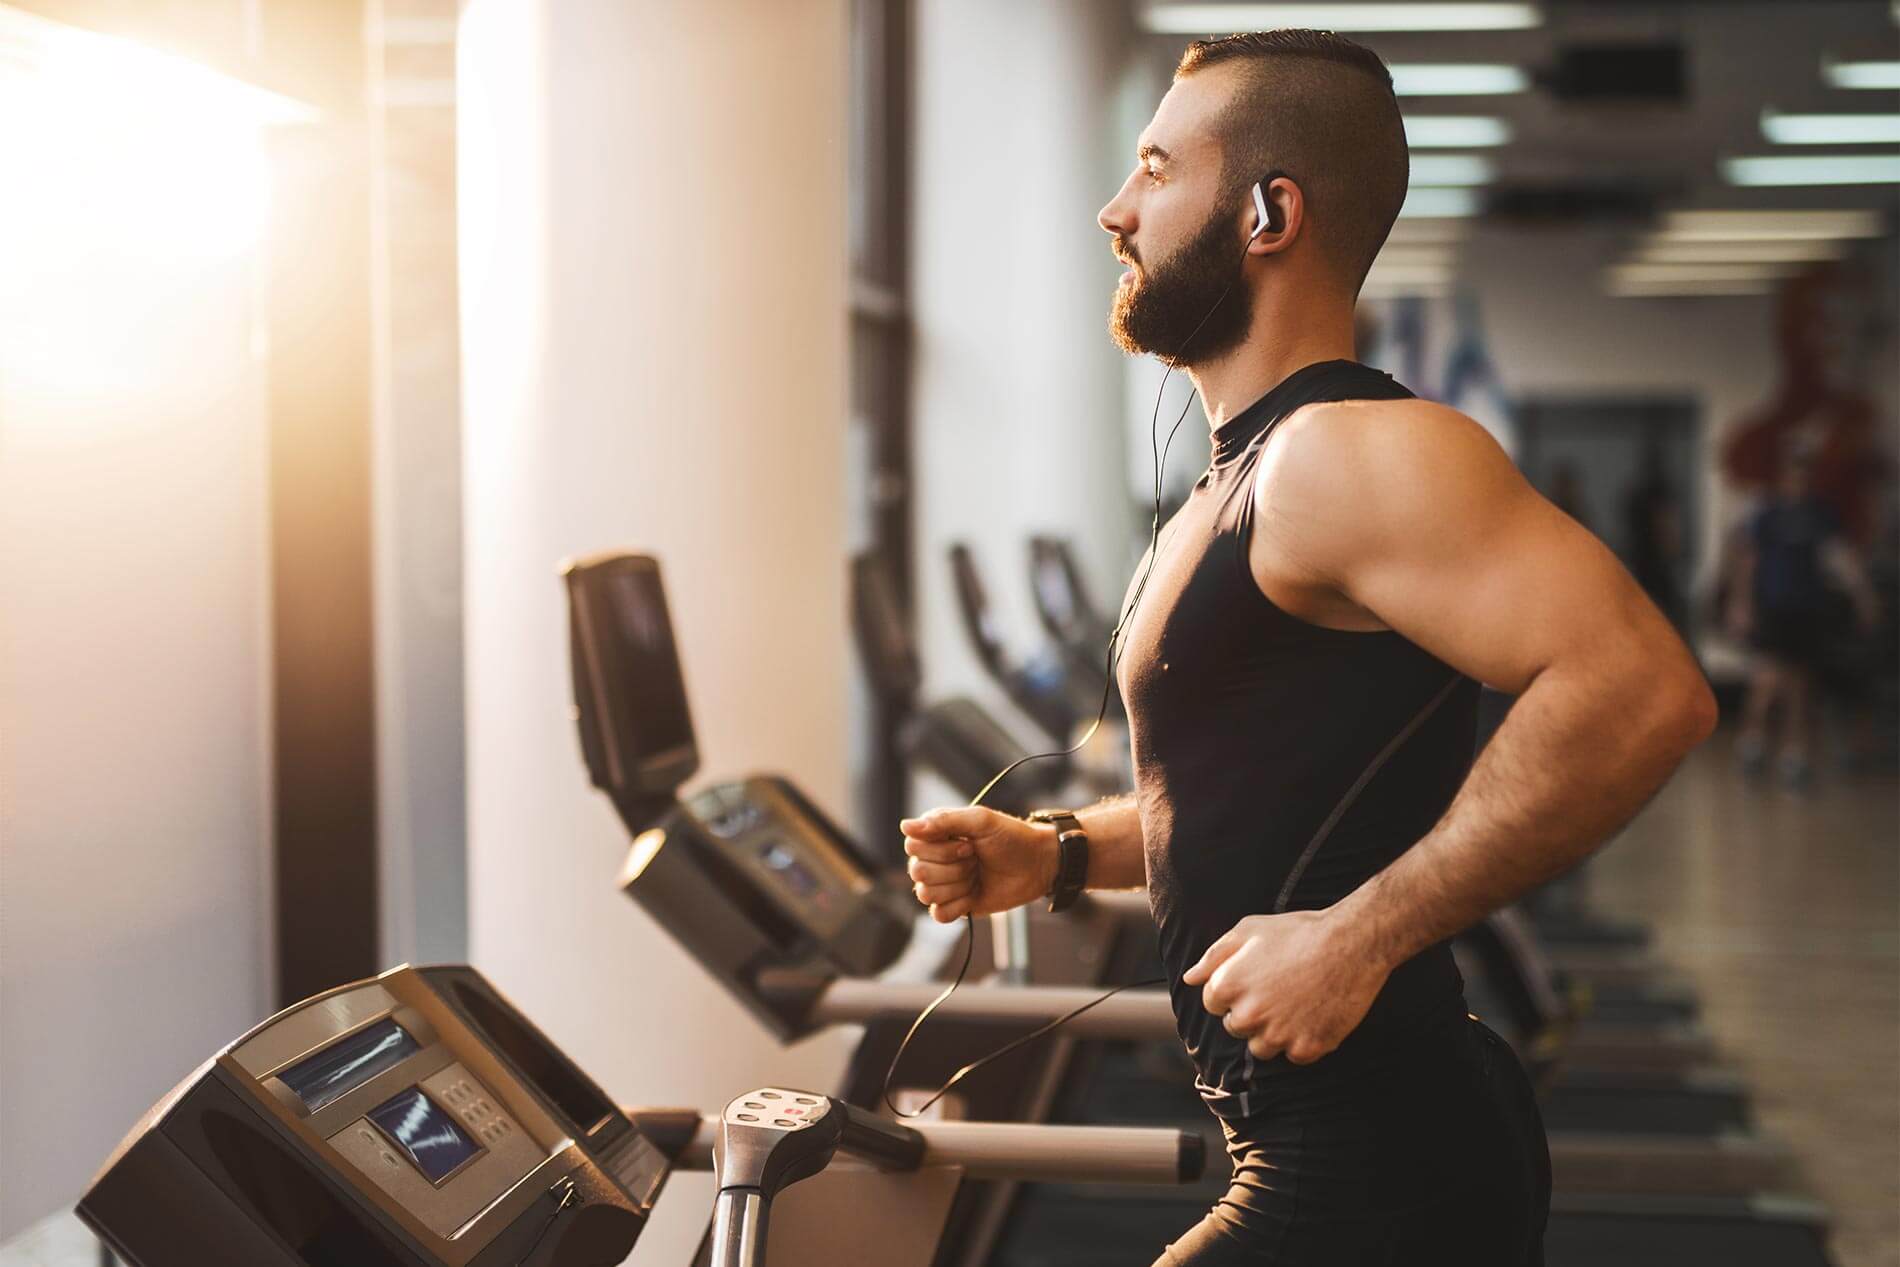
column 976, row 861
column 1409, row 517
column 1115, row 855
column 1512, row 592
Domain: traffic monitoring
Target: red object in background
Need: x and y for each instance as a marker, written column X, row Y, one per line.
column 1811, row 400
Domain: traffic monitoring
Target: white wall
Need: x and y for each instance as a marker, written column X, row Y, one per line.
column 1017, row 396
column 1552, row 331
column 134, row 805
column 652, row 220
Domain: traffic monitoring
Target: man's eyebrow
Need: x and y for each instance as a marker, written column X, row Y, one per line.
column 1151, row 150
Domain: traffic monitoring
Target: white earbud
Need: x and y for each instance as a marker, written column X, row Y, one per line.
column 1260, row 212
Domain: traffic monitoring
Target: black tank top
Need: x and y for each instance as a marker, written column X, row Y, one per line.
column 1249, row 725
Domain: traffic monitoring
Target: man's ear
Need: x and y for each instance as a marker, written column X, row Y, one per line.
column 1284, row 207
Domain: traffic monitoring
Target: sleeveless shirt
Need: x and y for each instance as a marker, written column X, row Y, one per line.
column 1248, row 726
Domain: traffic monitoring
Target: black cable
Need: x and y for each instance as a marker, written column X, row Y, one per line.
column 1114, row 663
column 570, row 1194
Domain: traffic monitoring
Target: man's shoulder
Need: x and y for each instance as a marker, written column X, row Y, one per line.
column 1340, row 420
column 1375, row 446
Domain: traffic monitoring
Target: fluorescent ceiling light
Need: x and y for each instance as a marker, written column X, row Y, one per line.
column 1418, row 233
column 1819, row 169
column 1451, row 169
column 1416, row 253
column 1455, row 131
column 1385, row 274
column 1768, row 226
column 1409, row 290
column 1830, row 129
column 1685, row 290
column 1440, row 201
column 1457, row 79
column 1794, row 251
column 1699, row 272
column 1880, row 75
column 1200, row 19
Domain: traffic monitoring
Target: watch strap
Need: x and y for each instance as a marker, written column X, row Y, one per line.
column 1072, row 857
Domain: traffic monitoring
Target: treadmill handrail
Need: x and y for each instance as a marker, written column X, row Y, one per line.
column 1133, row 1014
column 1030, row 1152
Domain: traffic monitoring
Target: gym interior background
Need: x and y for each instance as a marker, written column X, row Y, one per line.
column 329, row 328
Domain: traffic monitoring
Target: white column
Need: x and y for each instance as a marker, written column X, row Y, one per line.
column 653, row 304
column 421, row 799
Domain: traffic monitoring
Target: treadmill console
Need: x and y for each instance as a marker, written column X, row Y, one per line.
column 413, row 1120
column 754, row 880
column 749, row 876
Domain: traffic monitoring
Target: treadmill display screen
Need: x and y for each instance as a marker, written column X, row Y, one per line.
column 435, row 1141
column 655, row 695
column 1052, row 584
column 342, row 1067
column 783, row 863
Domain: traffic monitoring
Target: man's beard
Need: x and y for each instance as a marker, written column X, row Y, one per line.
column 1158, row 312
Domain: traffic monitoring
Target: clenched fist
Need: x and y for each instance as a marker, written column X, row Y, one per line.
column 975, row 861
column 1296, row 983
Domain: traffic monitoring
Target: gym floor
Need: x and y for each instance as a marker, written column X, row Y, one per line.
column 1779, row 907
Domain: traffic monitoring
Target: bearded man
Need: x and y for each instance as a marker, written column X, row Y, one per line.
column 1301, row 669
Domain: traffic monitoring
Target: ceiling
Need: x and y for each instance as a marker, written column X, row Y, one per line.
column 1611, row 159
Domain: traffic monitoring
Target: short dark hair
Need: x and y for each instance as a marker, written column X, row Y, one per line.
column 1319, row 108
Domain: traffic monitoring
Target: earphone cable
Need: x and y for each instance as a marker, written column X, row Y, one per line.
column 1160, row 456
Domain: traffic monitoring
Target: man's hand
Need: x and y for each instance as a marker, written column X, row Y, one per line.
column 975, row 861
column 1293, row 983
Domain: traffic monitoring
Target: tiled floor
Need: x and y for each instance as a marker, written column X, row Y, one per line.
column 1783, row 909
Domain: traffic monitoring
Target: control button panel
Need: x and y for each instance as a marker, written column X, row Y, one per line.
column 464, row 1097
column 774, row 1106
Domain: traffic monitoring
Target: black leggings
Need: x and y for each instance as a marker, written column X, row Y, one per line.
column 1441, row 1161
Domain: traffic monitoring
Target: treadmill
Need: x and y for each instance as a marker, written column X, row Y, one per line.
column 418, row 1119
column 792, row 919
column 1040, row 685
column 955, row 738
column 1063, row 698
column 1070, row 618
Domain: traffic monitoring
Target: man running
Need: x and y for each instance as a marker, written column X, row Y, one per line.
column 1301, row 672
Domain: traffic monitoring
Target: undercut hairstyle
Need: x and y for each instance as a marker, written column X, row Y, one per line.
column 1319, row 109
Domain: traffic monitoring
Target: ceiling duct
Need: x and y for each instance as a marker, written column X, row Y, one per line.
column 1623, row 73
column 1568, row 204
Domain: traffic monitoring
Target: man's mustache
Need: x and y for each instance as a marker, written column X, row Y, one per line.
column 1125, row 253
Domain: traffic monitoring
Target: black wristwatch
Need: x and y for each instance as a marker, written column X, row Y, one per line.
column 1072, row 857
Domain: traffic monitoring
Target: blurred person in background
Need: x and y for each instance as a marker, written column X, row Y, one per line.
column 1652, row 528
column 1781, row 601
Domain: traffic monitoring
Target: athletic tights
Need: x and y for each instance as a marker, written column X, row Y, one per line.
column 1441, row 1160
